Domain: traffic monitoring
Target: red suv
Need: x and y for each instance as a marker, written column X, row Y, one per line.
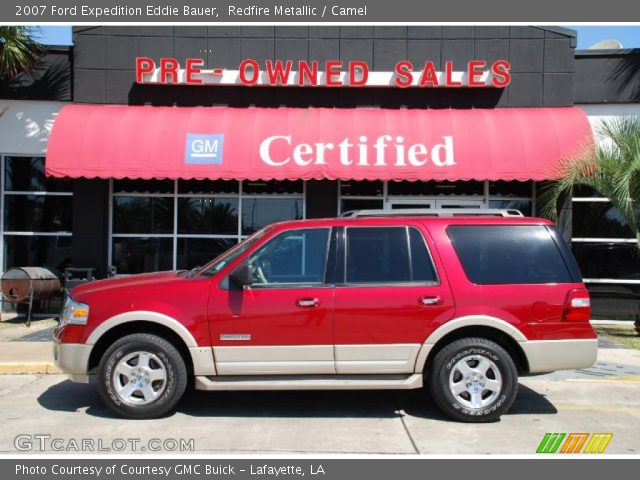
column 462, row 304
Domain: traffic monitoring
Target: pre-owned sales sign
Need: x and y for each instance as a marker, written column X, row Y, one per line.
column 332, row 73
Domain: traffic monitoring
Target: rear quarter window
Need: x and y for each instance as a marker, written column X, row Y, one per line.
column 509, row 254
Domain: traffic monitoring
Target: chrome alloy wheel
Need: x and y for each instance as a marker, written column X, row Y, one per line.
column 475, row 381
column 139, row 378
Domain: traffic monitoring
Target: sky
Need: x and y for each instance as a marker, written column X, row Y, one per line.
column 53, row 35
column 587, row 35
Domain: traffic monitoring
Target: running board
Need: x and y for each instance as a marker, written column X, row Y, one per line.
column 310, row 382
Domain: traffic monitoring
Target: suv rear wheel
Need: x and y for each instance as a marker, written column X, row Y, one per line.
column 142, row 376
column 473, row 380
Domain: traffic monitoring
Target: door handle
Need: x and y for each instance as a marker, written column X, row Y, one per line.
column 430, row 300
column 308, row 302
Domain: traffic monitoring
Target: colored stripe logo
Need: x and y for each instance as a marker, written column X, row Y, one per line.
column 598, row 442
column 574, row 442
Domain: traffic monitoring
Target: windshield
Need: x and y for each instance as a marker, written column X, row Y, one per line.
column 230, row 255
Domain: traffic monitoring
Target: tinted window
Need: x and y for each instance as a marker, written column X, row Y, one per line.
column 208, row 186
column 508, row 254
column 436, row 188
column 142, row 215
column 350, row 204
column 421, row 265
column 203, row 215
column 50, row 251
column 599, row 220
column 37, row 213
column 362, row 188
column 26, row 174
column 608, row 260
column 297, row 256
column 614, row 301
column 198, row 251
column 138, row 255
column 260, row 212
column 273, row 187
column 510, row 189
column 143, row 186
column 386, row 255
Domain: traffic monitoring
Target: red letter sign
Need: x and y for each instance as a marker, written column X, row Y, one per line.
column 169, row 68
column 501, row 75
column 354, row 68
column 403, row 74
column 475, row 69
column 243, row 72
column 332, row 71
column 144, row 66
column 193, row 68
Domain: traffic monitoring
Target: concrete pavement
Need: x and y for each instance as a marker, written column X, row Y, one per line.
column 602, row 399
column 372, row 422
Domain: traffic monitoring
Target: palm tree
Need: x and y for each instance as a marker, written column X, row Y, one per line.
column 18, row 51
column 611, row 167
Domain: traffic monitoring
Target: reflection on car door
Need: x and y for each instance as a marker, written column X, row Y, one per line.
column 283, row 322
column 387, row 300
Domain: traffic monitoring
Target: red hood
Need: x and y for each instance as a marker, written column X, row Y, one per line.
column 126, row 282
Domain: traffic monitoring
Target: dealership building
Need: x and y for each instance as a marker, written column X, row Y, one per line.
column 156, row 148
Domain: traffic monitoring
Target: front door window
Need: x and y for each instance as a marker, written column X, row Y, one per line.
column 294, row 257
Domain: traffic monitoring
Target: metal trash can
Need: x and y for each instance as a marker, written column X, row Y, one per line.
column 26, row 284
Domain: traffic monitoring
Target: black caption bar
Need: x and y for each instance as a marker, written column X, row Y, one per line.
column 327, row 469
column 313, row 11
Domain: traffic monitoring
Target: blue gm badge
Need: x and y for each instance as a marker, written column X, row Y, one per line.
column 204, row 149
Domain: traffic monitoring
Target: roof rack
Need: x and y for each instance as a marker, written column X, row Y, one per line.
column 434, row 212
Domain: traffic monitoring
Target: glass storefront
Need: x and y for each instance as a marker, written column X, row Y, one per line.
column 36, row 215
column 472, row 194
column 608, row 256
column 166, row 224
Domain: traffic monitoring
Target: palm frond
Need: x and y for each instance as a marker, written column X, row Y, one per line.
column 19, row 52
column 611, row 167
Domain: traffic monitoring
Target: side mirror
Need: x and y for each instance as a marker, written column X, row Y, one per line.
column 242, row 275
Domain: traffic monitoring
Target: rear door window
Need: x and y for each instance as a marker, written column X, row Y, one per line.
column 509, row 254
column 387, row 255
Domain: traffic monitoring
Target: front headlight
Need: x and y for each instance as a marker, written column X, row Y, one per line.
column 74, row 313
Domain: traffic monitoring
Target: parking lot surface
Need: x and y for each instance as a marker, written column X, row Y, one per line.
column 602, row 399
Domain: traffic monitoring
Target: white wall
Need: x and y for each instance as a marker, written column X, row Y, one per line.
column 597, row 113
column 25, row 125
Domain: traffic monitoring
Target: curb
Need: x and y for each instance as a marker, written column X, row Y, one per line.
column 26, row 368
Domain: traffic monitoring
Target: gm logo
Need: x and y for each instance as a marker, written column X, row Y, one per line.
column 204, row 149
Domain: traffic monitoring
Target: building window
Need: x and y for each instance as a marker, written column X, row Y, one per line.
column 366, row 195
column 606, row 251
column 36, row 215
column 167, row 224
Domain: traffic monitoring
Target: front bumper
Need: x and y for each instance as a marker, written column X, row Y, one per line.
column 551, row 355
column 72, row 359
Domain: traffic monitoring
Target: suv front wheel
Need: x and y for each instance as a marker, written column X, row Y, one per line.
column 473, row 380
column 142, row 376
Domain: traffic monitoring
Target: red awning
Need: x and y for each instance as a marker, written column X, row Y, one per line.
column 313, row 143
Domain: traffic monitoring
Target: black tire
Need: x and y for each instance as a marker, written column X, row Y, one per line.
column 172, row 388
column 440, row 373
